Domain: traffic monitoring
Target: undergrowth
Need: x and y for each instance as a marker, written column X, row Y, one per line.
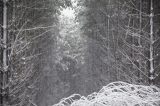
column 117, row 94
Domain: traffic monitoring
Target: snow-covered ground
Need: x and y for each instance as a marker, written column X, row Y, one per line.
column 117, row 94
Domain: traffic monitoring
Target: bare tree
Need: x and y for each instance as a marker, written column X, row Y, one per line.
column 151, row 60
column 4, row 70
column 25, row 24
column 136, row 54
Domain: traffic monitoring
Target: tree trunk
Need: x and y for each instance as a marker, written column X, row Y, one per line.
column 151, row 70
column 139, row 40
column 4, row 59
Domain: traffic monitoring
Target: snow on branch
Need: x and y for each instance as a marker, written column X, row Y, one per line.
column 117, row 94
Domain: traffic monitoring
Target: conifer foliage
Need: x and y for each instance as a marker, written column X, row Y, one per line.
column 23, row 25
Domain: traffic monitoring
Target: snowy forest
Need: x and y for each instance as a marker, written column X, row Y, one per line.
column 79, row 52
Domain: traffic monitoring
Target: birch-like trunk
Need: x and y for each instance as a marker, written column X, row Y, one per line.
column 151, row 70
column 5, row 66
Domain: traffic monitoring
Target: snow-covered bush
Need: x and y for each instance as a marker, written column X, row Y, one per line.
column 117, row 94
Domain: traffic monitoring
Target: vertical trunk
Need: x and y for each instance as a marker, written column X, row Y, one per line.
column 116, row 45
column 151, row 70
column 108, row 29
column 4, row 61
column 140, row 22
column 139, row 39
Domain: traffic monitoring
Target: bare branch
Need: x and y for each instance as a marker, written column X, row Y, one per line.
column 125, row 55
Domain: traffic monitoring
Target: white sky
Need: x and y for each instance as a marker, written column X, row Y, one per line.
column 69, row 12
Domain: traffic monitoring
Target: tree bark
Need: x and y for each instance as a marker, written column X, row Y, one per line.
column 139, row 40
column 4, row 59
column 151, row 70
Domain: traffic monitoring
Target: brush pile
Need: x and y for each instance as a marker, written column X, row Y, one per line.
column 117, row 94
